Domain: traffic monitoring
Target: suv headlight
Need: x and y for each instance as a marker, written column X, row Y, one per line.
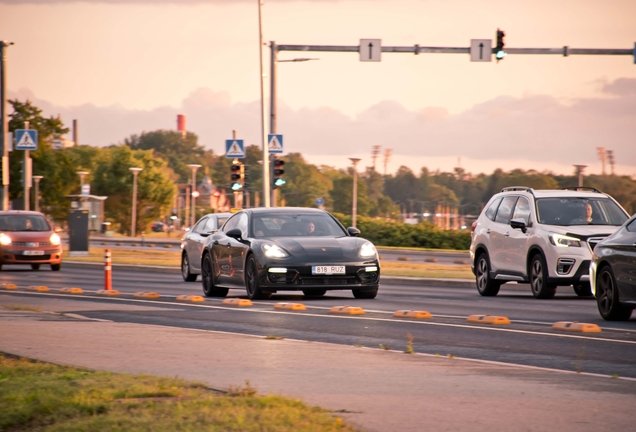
column 367, row 250
column 5, row 240
column 55, row 239
column 561, row 240
column 274, row 251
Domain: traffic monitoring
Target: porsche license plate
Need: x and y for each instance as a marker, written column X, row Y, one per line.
column 327, row 270
column 36, row 252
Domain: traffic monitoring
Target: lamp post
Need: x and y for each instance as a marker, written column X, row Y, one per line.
column 354, row 199
column 4, row 144
column 37, row 192
column 579, row 171
column 194, row 168
column 133, row 227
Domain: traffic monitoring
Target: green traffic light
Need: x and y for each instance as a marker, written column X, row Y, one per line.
column 236, row 186
column 279, row 182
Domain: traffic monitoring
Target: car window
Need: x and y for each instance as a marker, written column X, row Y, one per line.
column 492, row 209
column 631, row 227
column 23, row 222
column 221, row 220
column 295, row 225
column 200, row 226
column 522, row 210
column 230, row 224
column 242, row 223
column 504, row 210
column 569, row 211
column 210, row 224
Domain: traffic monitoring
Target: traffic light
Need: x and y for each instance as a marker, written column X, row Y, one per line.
column 244, row 176
column 236, row 176
column 279, row 170
column 499, row 49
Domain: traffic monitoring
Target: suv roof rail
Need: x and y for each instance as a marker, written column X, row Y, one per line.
column 578, row 188
column 518, row 188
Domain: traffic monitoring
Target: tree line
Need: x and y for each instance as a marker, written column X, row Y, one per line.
column 164, row 155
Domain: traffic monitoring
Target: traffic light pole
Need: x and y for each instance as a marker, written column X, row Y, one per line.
column 4, row 144
column 272, row 115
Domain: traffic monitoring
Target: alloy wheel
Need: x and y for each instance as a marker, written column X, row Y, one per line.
column 605, row 292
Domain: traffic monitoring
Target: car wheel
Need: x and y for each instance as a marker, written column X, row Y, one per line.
column 251, row 281
column 314, row 293
column 35, row 266
column 541, row 289
column 359, row 294
column 583, row 289
column 607, row 299
column 486, row 286
column 207, row 279
column 185, row 269
column 56, row 267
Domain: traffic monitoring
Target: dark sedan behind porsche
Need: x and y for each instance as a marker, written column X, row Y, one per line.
column 266, row 250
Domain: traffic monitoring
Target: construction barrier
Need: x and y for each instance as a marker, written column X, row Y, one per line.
column 412, row 314
column 147, row 294
column 40, row 288
column 71, row 291
column 108, row 270
column 238, row 302
column 190, row 298
column 347, row 310
column 290, row 306
column 576, row 327
column 488, row 319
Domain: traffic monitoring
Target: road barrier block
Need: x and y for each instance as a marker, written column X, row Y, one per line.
column 147, row 294
column 38, row 288
column 576, row 327
column 108, row 293
column 412, row 314
column 71, row 290
column 347, row 310
column 488, row 319
column 8, row 286
column 290, row 306
column 190, row 298
column 238, row 302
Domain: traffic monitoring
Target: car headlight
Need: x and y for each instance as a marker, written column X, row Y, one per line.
column 5, row 240
column 560, row 240
column 274, row 251
column 55, row 239
column 367, row 250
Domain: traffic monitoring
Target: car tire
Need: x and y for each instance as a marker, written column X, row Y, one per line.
column 583, row 289
column 360, row 294
column 607, row 297
column 56, row 267
column 541, row 289
column 486, row 286
column 251, row 281
column 35, row 266
column 314, row 293
column 185, row 269
column 207, row 279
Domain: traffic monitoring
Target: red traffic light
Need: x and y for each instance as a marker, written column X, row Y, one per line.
column 236, row 171
column 279, row 166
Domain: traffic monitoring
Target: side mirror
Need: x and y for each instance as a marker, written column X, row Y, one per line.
column 519, row 224
column 235, row 233
column 353, row 232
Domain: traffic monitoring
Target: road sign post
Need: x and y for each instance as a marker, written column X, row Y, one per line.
column 26, row 139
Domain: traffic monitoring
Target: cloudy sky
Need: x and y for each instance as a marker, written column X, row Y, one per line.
column 122, row 67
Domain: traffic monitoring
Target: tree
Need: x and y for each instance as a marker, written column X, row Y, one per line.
column 305, row 183
column 342, row 193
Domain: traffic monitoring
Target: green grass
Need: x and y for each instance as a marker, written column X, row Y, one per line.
column 38, row 396
column 426, row 270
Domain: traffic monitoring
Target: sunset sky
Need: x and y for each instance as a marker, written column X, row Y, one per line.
column 124, row 66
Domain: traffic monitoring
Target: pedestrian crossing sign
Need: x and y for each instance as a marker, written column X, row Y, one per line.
column 26, row 139
column 234, row 149
column 275, row 143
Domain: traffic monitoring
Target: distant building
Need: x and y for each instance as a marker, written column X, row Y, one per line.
column 61, row 143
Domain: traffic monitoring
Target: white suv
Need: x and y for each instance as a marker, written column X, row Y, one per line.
column 544, row 237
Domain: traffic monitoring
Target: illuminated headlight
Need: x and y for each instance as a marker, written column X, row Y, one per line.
column 560, row 240
column 367, row 250
column 55, row 239
column 274, row 251
column 5, row 240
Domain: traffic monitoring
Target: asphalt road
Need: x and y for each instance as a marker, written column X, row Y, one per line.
column 529, row 340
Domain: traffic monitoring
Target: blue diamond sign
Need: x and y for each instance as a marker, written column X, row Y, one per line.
column 26, row 139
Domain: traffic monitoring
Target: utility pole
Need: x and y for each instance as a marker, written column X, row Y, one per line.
column 610, row 158
column 37, row 179
column 387, row 156
column 602, row 155
column 354, row 198
column 26, row 175
column 266, row 167
column 579, row 171
column 375, row 152
column 4, row 130
column 272, row 115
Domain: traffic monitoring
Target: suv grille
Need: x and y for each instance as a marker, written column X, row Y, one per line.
column 26, row 243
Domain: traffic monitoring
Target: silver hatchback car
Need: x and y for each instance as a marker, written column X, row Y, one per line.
column 544, row 237
column 193, row 241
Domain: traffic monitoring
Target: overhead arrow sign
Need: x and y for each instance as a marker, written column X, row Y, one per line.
column 370, row 50
column 480, row 50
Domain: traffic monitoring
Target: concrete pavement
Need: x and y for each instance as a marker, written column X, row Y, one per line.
column 380, row 390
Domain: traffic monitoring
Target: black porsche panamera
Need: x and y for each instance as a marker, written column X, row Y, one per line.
column 266, row 250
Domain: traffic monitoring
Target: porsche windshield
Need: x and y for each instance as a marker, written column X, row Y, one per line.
column 23, row 222
column 296, row 225
column 579, row 211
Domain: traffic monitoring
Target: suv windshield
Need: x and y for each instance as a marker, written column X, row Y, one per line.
column 23, row 223
column 579, row 211
column 296, row 225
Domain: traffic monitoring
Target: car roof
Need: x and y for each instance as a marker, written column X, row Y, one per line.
column 19, row 212
column 557, row 193
column 286, row 210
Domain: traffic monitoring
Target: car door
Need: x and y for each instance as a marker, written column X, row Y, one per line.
column 196, row 243
column 221, row 248
column 499, row 233
column 517, row 241
column 238, row 249
column 624, row 262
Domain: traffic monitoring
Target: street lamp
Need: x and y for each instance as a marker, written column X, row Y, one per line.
column 354, row 200
column 579, row 171
column 195, row 193
column 82, row 175
column 133, row 227
column 37, row 192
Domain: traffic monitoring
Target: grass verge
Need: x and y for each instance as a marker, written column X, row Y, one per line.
column 38, row 396
column 426, row 270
